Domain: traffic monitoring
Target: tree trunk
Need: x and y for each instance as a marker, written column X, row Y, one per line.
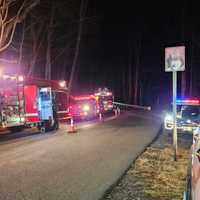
column 77, row 48
column 34, row 51
column 191, row 66
column 130, row 73
column 137, row 66
column 21, row 47
column 49, row 41
column 36, row 44
column 183, row 74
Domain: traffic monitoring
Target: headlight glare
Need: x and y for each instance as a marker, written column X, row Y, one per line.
column 168, row 117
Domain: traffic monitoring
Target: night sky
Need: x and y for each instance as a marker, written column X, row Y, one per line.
column 118, row 36
column 156, row 26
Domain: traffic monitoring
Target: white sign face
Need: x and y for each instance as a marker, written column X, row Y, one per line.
column 175, row 59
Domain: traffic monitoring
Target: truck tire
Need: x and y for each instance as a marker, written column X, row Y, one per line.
column 43, row 129
column 55, row 126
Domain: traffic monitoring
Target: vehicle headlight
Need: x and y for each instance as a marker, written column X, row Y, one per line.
column 86, row 107
column 168, row 117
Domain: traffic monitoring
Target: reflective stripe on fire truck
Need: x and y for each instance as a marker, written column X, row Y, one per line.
column 31, row 114
column 62, row 112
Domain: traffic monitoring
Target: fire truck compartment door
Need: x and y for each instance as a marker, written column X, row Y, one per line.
column 45, row 104
column 31, row 110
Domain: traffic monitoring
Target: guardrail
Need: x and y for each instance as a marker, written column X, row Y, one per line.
column 133, row 106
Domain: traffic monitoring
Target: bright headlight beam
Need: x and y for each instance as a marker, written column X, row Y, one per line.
column 168, row 117
column 86, row 107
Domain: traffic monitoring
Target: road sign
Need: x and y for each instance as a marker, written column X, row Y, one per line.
column 175, row 59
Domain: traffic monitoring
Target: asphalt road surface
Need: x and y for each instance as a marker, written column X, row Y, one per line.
column 82, row 166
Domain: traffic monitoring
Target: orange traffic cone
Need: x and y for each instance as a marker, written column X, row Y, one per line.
column 72, row 128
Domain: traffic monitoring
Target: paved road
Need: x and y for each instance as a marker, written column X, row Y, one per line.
column 75, row 167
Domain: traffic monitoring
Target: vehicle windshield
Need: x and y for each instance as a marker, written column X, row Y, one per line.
column 190, row 111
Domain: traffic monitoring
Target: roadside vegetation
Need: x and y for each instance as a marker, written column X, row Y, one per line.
column 155, row 175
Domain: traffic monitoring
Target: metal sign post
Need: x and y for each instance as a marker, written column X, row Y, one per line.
column 175, row 144
column 175, row 61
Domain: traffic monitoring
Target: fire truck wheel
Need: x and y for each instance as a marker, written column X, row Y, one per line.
column 55, row 126
column 43, row 129
column 15, row 129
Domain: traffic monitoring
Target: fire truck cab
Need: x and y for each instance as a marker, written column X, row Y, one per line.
column 31, row 102
column 105, row 100
column 83, row 107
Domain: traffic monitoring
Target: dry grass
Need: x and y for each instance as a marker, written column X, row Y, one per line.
column 162, row 177
column 155, row 175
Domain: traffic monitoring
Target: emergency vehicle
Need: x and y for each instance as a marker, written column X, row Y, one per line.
column 105, row 100
column 188, row 115
column 83, row 107
column 32, row 102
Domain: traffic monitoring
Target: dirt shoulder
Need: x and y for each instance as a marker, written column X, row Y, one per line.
column 154, row 175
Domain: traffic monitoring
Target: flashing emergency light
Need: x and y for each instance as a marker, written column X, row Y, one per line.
column 62, row 84
column 187, row 101
column 86, row 107
column 20, row 78
column 108, row 93
column 5, row 76
column 84, row 97
column 12, row 77
column 8, row 77
column 103, row 93
column 85, row 113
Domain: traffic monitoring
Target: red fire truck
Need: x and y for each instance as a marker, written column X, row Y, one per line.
column 32, row 102
column 105, row 100
column 84, row 107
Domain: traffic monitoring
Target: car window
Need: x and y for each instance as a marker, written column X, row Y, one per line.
column 190, row 111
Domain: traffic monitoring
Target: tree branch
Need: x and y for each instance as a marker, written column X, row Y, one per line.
column 8, row 25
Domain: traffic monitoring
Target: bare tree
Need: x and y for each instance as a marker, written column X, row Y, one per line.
column 8, row 20
column 21, row 44
column 49, row 43
column 80, row 28
column 183, row 74
column 130, row 73
column 191, row 90
column 137, row 67
column 37, row 40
